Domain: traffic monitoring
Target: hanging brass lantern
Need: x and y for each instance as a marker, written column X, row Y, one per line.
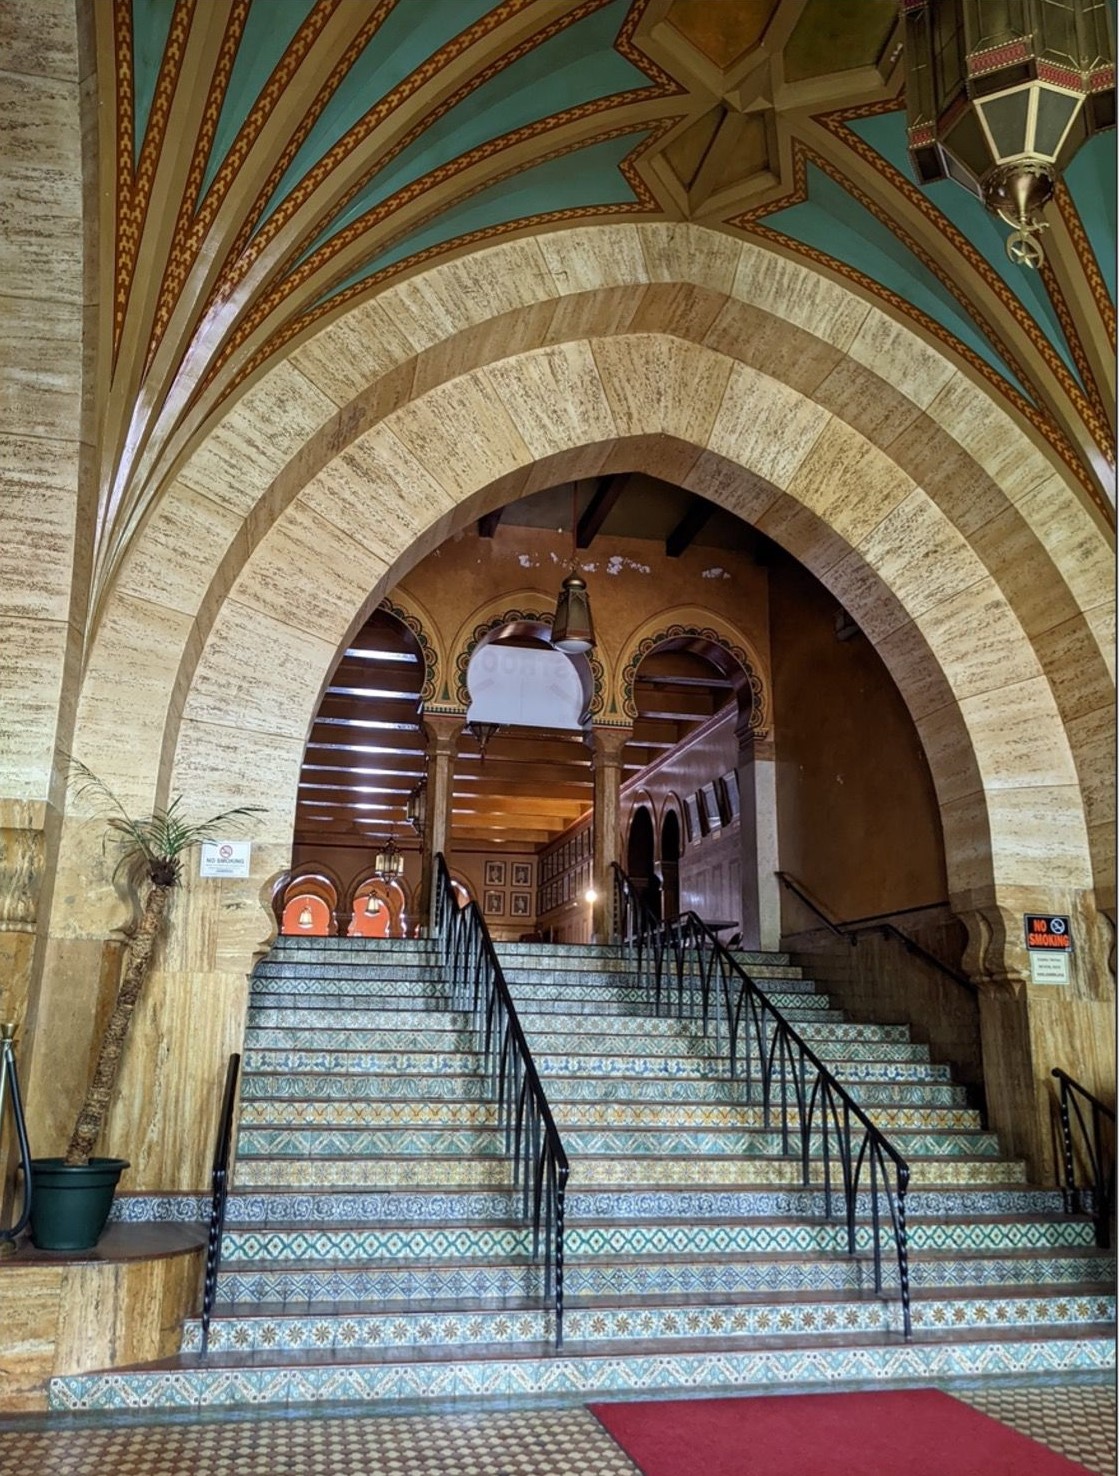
column 1001, row 94
column 389, row 863
column 572, row 628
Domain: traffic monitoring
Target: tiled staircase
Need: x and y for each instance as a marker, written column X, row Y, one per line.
column 371, row 1251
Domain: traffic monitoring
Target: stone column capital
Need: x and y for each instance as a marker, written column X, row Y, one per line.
column 608, row 745
column 443, row 731
column 754, row 746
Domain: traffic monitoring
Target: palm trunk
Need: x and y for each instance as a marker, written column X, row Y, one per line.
column 100, row 1091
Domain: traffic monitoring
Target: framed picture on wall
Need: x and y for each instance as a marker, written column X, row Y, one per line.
column 691, row 818
column 495, row 875
column 521, row 904
column 522, row 875
column 494, row 904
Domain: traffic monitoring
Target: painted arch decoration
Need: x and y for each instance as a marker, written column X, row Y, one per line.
column 759, row 720
column 428, row 650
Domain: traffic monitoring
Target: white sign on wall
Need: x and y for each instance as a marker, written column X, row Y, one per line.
column 225, row 858
column 1049, row 968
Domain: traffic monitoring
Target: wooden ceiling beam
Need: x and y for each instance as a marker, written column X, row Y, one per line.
column 605, row 496
column 693, row 522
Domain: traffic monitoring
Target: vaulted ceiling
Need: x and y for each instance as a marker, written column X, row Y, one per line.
column 267, row 163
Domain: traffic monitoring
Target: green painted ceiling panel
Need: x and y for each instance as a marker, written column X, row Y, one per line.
column 579, row 65
column 1091, row 180
column 886, row 134
column 151, row 21
column 269, row 30
column 585, row 176
column 412, row 32
column 834, row 222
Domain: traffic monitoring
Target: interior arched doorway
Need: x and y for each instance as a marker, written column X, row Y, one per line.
column 641, row 859
column 670, row 863
column 1012, row 742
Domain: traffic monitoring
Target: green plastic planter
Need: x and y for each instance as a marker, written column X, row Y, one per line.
column 69, row 1205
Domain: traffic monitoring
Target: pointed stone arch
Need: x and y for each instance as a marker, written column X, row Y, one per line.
column 866, row 453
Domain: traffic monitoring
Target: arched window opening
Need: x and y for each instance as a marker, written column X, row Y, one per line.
column 670, row 864
column 641, row 859
column 307, row 915
column 378, row 911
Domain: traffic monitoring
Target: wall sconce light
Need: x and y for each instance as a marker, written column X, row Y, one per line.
column 306, row 918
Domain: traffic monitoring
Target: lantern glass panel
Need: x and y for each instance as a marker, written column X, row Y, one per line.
column 1057, row 28
column 1007, row 120
column 967, row 145
column 948, row 51
column 1055, row 111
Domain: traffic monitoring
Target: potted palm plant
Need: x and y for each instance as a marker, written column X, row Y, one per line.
column 71, row 1196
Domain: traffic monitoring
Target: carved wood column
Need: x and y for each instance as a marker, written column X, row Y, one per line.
column 761, row 891
column 609, row 745
column 443, row 733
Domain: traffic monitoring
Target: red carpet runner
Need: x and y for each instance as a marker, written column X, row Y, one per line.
column 894, row 1432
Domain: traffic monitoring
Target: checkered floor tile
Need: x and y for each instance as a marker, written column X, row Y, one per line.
column 1078, row 1421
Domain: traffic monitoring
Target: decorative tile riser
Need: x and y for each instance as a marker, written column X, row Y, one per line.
column 620, row 1173
column 299, row 1208
column 701, row 1279
column 855, row 1063
column 325, row 972
column 580, row 1143
column 280, row 1112
column 536, row 1024
column 573, row 957
column 633, row 1057
column 571, row 1376
column 776, row 1320
column 540, row 999
column 638, row 1027
column 487, row 1243
column 288, row 1085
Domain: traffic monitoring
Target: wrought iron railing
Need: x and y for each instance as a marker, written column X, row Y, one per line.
column 220, row 1192
column 540, row 1166
column 1084, row 1127
column 881, row 925
column 690, row 974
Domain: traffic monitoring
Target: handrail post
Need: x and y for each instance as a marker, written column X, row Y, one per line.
column 220, row 1193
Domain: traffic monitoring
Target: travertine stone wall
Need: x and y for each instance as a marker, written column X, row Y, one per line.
column 958, row 545
column 80, row 1315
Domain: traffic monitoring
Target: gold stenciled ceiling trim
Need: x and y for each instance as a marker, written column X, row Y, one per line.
column 835, row 123
column 752, row 222
column 193, row 225
column 1071, row 329
column 134, row 185
column 1089, row 265
column 247, row 246
column 293, row 273
column 646, row 203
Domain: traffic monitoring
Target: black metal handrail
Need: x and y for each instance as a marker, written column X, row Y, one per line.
column 540, row 1165
column 1097, row 1198
column 9, row 1088
column 877, row 924
column 693, row 976
column 220, row 1183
